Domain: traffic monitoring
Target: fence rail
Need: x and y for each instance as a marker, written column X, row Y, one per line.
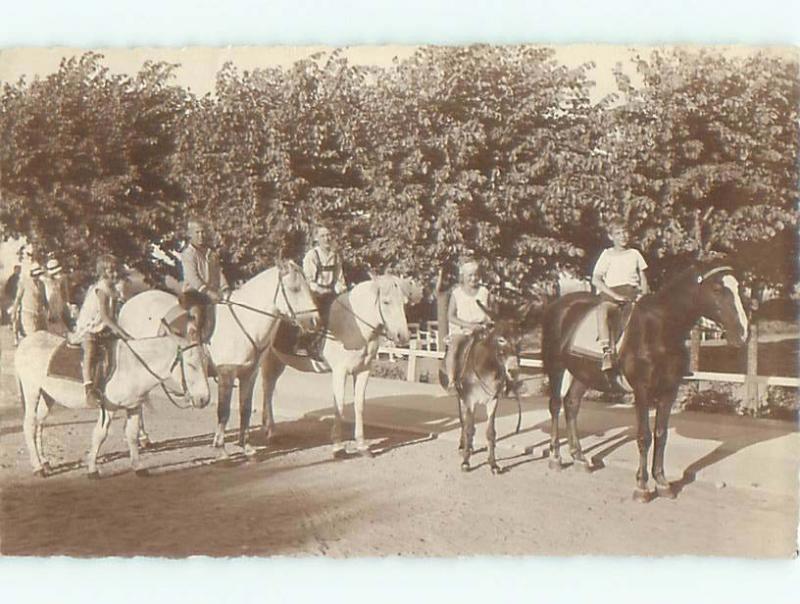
column 413, row 353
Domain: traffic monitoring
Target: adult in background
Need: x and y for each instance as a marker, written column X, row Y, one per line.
column 201, row 271
column 10, row 292
column 57, row 295
column 30, row 302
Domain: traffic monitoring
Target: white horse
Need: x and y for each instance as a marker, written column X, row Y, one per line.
column 244, row 328
column 141, row 365
column 357, row 320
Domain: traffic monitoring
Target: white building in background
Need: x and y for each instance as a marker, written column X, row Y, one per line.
column 569, row 282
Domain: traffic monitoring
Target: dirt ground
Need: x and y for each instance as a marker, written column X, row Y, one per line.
column 293, row 499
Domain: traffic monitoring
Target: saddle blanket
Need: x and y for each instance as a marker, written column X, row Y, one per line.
column 66, row 361
column 585, row 342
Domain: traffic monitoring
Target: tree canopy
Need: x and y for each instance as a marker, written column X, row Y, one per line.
column 498, row 152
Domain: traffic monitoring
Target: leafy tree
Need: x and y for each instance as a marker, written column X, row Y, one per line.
column 703, row 159
column 85, row 162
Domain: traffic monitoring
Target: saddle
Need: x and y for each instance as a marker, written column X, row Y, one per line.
column 177, row 319
column 66, row 361
column 584, row 341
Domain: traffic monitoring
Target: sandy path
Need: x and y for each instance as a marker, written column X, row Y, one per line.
column 411, row 499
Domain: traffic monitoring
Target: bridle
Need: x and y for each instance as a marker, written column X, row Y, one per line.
column 714, row 271
column 176, row 361
column 290, row 317
column 500, row 350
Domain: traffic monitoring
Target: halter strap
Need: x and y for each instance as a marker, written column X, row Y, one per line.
column 714, row 271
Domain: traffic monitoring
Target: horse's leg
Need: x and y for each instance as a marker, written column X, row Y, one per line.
column 491, row 434
column 31, row 398
column 468, row 412
column 555, row 378
column 224, row 389
column 42, row 410
column 99, row 435
column 132, row 424
column 359, row 392
column 143, row 436
column 271, row 370
column 643, row 440
column 338, row 379
column 663, row 410
column 246, row 383
column 572, row 405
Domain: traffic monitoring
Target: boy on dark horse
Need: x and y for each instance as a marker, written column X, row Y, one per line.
column 619, row 279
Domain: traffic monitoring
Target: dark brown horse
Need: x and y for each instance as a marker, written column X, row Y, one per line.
column 486, row 368
column 653, row 358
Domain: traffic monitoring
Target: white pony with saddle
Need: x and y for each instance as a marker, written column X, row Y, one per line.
column 356, row 322
column 244, row 328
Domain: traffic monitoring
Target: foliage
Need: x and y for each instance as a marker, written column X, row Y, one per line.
column 85, row 162
column 493, row 151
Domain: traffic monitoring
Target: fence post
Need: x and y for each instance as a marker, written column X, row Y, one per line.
column 752, row 387
column 694, row 348
column 411, row 374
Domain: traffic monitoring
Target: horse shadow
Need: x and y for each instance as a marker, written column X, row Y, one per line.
column 614, row 427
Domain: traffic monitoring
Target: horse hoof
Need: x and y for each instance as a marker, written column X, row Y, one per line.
column 365, row 452
column 496, row 469
column 40, row 473
column 582, row 466
column 642, row 495
column 555, row 464
column 465, row 466
column 46, row 468
column 340, row 454
column 665, row 491
column 93, row 475
column 142, row 472
column 250, row 451
column 145, row 443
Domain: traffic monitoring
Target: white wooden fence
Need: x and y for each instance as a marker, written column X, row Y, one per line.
column 423, row 345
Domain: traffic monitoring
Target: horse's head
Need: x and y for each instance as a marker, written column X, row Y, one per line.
column 720, row 301
column 391, row 294
column 189, row 369
column 506, row 337
column 293, row 296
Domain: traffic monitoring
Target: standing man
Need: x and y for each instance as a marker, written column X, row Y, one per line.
column 10, row 291
column 31, row 302
column 55, row 286
column 322, row 267
column 201, row 271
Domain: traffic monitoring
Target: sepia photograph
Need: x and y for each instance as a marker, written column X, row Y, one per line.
column 421, row 301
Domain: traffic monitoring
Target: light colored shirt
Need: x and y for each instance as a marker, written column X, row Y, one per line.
column 323, row 271
column 617, row 268
column 468, row 309
column 201, row 270
column 30, row 296
column 89, row 319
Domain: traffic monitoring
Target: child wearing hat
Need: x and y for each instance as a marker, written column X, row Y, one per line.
column 55, row 286
column 30, row 302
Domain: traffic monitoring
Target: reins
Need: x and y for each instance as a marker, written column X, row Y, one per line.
column 162, row 380
column 488, row 391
